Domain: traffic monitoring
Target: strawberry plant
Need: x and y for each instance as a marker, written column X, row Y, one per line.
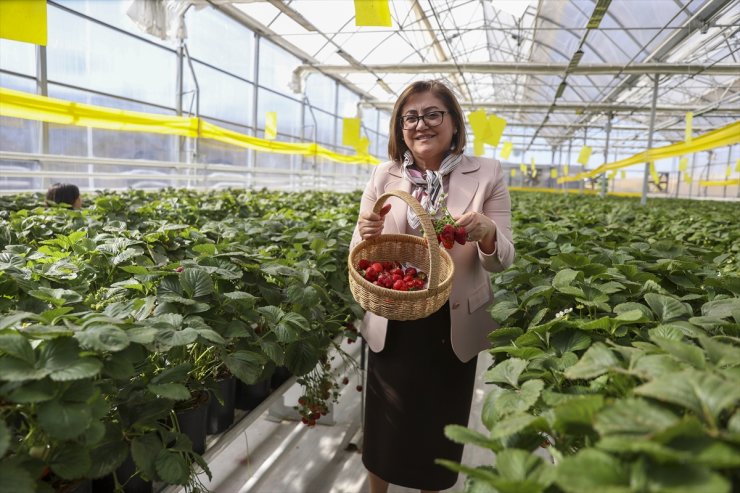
column 618, row 351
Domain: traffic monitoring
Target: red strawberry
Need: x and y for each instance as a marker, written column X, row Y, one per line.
column 363, row 264
column 399, row 285
column 371, row 274
column 378, row 267
column 460, row 235
column 410, row 271
column 448, row 242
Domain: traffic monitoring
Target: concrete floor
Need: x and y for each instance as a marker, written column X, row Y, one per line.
column 263, row 453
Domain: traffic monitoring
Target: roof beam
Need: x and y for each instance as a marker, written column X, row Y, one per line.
column 571, row 107
column 530, row 68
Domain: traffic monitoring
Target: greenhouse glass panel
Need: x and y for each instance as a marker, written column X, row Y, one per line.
column 16, row 57
column 275, row 63
column 288, row 113
column 320, row 91
column 319, row 126
column 79, row 53
column 222, row 96
column 232, row 50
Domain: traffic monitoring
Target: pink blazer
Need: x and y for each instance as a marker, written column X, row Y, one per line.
column 477, row 184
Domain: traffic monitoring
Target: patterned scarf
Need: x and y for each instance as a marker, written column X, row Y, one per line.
column 428, row 186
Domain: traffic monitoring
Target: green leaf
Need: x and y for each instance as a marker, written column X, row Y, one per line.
column 521, row 465
column 273, row 351
column 708, row 451
column 633, row 416
column 704, row 393
column 57, row 297
column 665, row 307
column 15, row 479
column 685, row 478
column 33, row 392
column 247, row 366
column 17, row 346
column 461, row 434
column 507, row 371
column 591, row 470
column 144, row 450
column 108, row 455
column 70, row 461
column 654, row 365
column 171, row 467
column 13, row 319
column 84, row 367
column 4, row 438
column 669, row 332
column 624, row 308
column 301, row 357
column 511, row 424
column 625, row 444
column 720, row 308
column 103, row 338
column 502, row 310
column 719, row 353
column 196, row 282
column 174, row 391
column 501, row 402
column 64, row 421
column 682, row 351
column 569, row 340
column 577, row 410
column 597, row 360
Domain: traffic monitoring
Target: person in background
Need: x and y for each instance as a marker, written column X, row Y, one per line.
column 66, row 193
column 421, row 373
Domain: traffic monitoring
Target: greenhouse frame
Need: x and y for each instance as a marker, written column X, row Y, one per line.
column 219, row 150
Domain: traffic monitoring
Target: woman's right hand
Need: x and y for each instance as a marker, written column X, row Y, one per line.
column 370, row 224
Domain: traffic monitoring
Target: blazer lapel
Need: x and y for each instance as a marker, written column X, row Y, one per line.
column 465, row 181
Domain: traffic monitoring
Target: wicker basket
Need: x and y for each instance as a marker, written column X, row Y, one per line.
column 423, row 252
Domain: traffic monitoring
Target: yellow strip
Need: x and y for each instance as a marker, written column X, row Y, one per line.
column 18, row 104
column 725, row 136
column 718, row 183
column 574, row 190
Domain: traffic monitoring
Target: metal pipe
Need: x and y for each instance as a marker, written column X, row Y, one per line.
column 643, row 199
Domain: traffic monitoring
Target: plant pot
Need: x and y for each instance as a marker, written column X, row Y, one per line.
column 280, row 376
column 221, row 416
column 192, row 422
column 250, row 396
column 134, row 485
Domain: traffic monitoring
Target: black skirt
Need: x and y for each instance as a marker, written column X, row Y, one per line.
column 415, row 387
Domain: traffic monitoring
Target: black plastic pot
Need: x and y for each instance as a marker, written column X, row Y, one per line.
column 192, row 422
column 134, row 485
column 221, row 416
column 280, row 376
column 247, row 397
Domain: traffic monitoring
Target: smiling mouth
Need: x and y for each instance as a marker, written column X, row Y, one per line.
column 424, row 137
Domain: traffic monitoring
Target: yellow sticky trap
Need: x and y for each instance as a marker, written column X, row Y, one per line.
column 612, row 174
column 689, row 122
column 687, row 178
column 532, row 166
column 728, row 171
column 683, row 164
column 584, row 155
column 24, row 20
column 654, row 173
column 513, row 173
column 523, row 168
column 372, row 13
column 496, row 126
column 737, row 165
column 566, row 168
column 622, row 174
column 478, row 146
column 506, row 150
column 553, row 173
column 479, row 125
column 350, row 131
column 271, row 125
column 363, row 144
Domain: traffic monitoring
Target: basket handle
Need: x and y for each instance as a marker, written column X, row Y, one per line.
column 427, row 226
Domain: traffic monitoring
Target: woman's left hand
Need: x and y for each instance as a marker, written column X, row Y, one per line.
column 477, row 226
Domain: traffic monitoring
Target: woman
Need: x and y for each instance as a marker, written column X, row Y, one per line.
column 421, row 373
column 64, row 193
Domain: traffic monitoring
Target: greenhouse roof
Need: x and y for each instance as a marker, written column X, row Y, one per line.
column 556, row 68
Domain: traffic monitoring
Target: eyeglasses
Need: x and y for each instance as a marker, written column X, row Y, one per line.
column 431, row 119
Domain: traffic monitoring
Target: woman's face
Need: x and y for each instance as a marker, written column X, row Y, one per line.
column 429, row 145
